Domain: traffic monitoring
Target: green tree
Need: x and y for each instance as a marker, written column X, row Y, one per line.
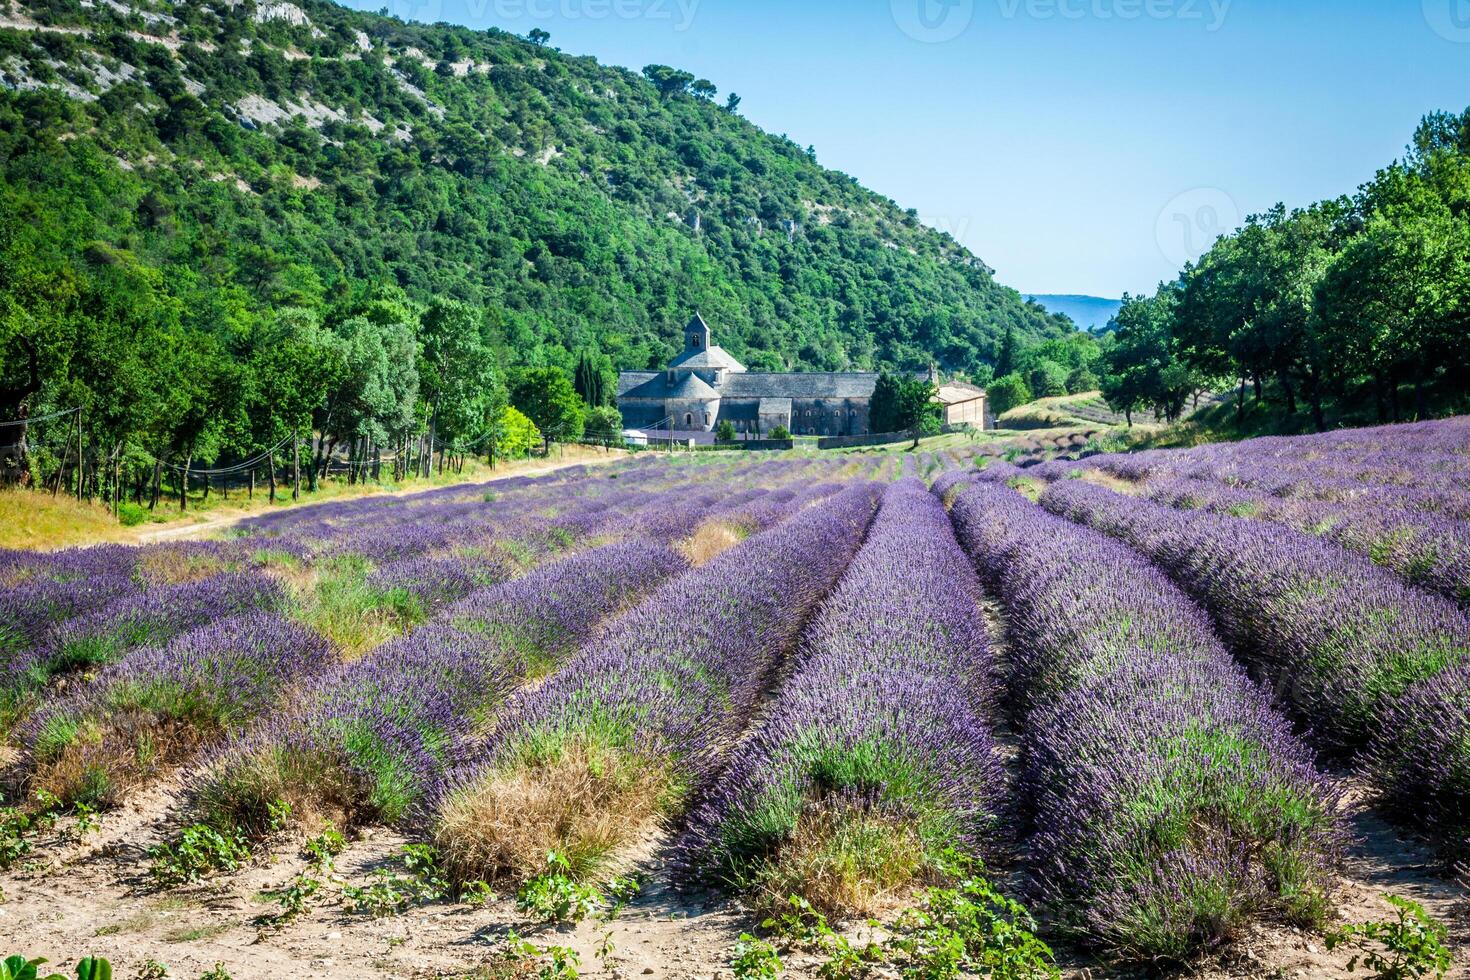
column 883, row 409
column 549, row 400
column 1007, row 393
column 1048, row 379
column 519, row 433
column 605, row 425
column 1142, row 368
column 457, row 375
column 917, row 411
column 1006, row 356
column 725, row 431
column 668, row 81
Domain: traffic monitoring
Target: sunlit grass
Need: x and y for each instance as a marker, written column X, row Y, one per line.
column 33, row 519
column 36, row 520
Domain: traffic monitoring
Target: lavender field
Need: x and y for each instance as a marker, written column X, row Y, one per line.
column 922, row 714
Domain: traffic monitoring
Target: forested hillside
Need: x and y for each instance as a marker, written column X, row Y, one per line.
column 178, row 178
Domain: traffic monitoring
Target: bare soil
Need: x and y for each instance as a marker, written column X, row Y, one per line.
column 91, row 897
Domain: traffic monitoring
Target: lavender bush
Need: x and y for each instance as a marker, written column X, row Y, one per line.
column 1172, row 806
column 650, row 702
column 1339, row 638
column 162, row 704
column 129, row 622
column 372, row 741
column 881, row 723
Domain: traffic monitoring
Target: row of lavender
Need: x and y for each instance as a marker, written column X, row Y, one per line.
column 879, row 734
column 86, row 608
column 1379, row 669
column 374, row 739
column 1170, row 805
column 173, row 698
column 641, row 716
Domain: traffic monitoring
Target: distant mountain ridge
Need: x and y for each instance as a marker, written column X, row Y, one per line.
column 1088, row 312
column 264, row 155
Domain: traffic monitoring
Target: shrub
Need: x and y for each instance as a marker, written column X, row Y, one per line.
column 1008, row 392
column 1410, row 946
column 130, row 514
column 780, row 433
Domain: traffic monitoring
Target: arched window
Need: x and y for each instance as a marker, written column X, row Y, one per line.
column 689, row 419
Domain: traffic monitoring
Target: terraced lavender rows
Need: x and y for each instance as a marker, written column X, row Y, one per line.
column 1170, row 806
column 781, row 663
column 1344, row 643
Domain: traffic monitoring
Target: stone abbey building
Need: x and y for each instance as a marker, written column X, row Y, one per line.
column 704, row 386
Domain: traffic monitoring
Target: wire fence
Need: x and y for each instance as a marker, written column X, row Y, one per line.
column 127, row 469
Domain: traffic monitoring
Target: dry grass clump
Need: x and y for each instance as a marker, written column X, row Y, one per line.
column 101, row 764
column 583, row 802
column 248, row 794
column 846, row 861
column 33, row 519
column 711, row 540
column 168, row 566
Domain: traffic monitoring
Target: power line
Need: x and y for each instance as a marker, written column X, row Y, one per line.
column 41, row 418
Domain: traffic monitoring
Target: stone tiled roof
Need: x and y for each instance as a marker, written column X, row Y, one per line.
column 803, row 385
column 954, row 392
column 816, row 384
column 628, row 380
column 685, row 386
column 710, row 359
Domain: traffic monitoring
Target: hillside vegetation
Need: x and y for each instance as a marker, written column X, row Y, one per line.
column 238, row 158
column 226, row 225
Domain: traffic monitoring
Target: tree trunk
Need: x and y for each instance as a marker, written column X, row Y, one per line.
column 157, row 483
column 250, row 494
column 1290, row 393
column 272, row 471
column 184, row 484
column 1240, row 402
column 296, row 466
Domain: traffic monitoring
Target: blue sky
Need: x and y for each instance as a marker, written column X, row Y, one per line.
column 1078, row 146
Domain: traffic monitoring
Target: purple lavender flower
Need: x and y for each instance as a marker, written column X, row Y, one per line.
column 163, row 703
column 1171, row 804
column 675, row 677
column 885, row 706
